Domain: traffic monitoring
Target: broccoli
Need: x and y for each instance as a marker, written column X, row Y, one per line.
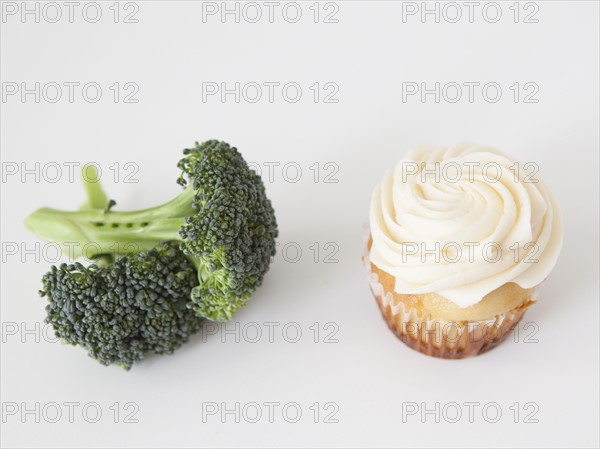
column 123, row 311
column 221, row 228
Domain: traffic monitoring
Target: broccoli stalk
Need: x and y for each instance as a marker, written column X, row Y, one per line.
column 100, row 230
column 223, row 221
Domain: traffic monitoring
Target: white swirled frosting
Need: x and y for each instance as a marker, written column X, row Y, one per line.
column 461, row 222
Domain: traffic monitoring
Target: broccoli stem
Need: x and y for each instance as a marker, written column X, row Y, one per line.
column 97, row 231
column 96, row 198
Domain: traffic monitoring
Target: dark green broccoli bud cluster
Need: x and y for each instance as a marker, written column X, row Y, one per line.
column 232, row 235
column 122, row 312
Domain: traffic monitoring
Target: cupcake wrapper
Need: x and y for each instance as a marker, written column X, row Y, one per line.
column 437, row 337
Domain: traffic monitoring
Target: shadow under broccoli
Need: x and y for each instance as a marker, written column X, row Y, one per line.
column 159, row 271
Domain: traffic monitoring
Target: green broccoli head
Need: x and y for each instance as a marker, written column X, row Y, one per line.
column 222, row 220
column 232, row 233
column 122, row 312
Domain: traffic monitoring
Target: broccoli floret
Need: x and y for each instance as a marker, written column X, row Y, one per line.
column 233, row 239
column 223, row 221
column 124, row 311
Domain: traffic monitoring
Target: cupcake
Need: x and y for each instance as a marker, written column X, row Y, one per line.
column 460, row 240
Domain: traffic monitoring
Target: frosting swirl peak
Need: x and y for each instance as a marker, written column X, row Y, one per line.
column 462, row 221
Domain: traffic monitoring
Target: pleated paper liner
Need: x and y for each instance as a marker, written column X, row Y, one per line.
column 438, row 337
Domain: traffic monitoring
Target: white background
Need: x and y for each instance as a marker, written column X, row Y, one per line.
column 368, row 373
